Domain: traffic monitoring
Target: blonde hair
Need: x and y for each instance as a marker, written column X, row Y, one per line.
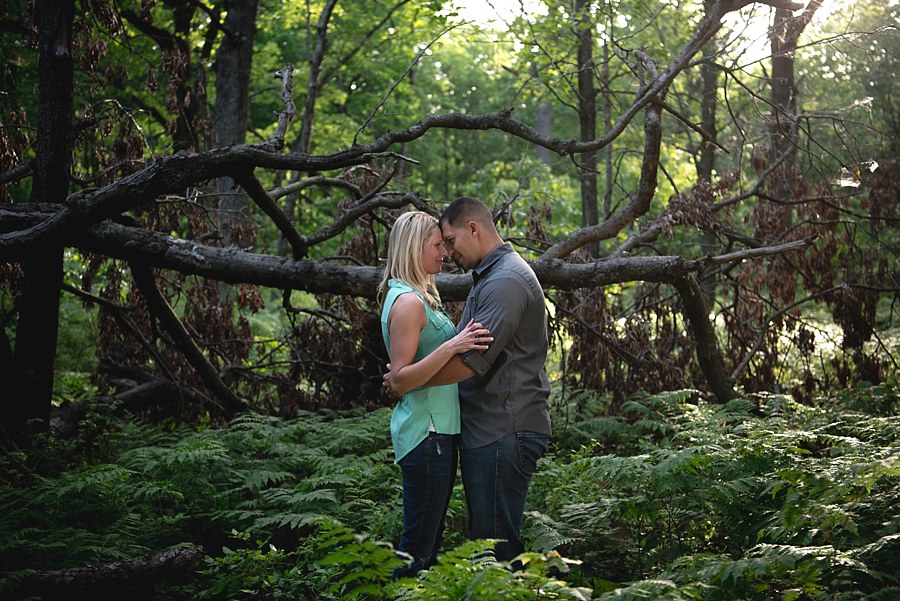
column 404, row 256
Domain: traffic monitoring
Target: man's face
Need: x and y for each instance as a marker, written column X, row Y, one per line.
column 461, row 245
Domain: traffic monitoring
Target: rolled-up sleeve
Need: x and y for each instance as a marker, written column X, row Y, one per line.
column 500, row 307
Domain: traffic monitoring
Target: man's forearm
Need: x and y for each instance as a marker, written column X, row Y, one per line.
column 452, row 372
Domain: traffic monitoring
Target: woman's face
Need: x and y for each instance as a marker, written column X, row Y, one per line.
column 433, row 252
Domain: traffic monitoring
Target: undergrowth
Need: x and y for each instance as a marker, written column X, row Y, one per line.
column 668, row 497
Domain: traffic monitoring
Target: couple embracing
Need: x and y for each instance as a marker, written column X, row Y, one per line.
column 475, row 395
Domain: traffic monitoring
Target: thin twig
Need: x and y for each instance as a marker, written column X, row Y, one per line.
column 397, row 83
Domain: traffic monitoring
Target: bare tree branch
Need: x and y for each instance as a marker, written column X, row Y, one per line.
column 761, row 334
column 397, row 83
column 159, row 307
column 755, row 253
column 233, row 265
column 118, row 313
column 318, row 180
column 286, row 74
column 16, row 173
column 258, row 193
column 640, row 202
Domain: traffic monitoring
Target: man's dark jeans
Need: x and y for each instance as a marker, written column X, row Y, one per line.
column 429, row 472
column 496, row 479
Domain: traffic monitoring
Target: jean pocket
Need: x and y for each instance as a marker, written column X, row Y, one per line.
column 531, row 447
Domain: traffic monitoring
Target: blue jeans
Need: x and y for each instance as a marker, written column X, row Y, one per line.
column 429, row 472
column 496, row 478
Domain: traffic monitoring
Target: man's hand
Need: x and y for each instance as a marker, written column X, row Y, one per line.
column 387, row 384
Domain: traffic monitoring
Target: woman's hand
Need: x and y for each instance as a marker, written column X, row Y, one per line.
column 473, row 337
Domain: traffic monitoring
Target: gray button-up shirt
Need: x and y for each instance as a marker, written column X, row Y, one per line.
column 509, row 390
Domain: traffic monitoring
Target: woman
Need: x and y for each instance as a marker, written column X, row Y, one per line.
column 421, row 338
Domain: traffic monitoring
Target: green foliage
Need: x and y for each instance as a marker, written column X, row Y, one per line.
column 361, row 566
column 880, row 400
column 680, row 500
column 791, row 497
column 469, row 572
column 334, row 562
column 248, row 572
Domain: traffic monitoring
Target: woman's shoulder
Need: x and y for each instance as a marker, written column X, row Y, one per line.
column 399, row 286
column 402, row 294
column 409, row 298
column 407, row 306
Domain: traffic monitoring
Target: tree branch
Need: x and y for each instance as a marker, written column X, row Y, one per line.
column 761, row 335
column 99, row 580
column 639, row 204
column 318, row 180
column 160, row 308
column 233, row 265
column 696, row 311
column 16, row 173
column 752, row 253
column 257, row 192
column 397, row 83
column 118, row 313
column 287, row 96
column 345, row 59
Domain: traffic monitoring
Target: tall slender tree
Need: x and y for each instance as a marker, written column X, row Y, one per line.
column 31, row 376
column 234, row 61
column 587, row 115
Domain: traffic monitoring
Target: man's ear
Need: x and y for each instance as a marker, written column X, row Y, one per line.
column 472, row 227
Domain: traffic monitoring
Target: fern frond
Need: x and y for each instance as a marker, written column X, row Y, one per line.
column 291, row 521
column 546, row 534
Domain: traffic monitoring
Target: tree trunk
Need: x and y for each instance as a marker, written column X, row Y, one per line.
column 784, row 35
column 317, row 55
column 784, row 99
column 709, row 358
column 133, row 579
column 38, row 305
column 234, row 60
column 543, row 122
column 587, row 118
column 709, row 85
column 607, row 119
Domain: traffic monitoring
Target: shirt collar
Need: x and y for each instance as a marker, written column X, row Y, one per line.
column 490, row 260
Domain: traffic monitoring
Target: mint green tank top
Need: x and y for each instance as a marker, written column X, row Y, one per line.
column 418, row 409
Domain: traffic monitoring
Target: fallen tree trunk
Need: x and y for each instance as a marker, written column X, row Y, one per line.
column 231, row 265
column 133, row 577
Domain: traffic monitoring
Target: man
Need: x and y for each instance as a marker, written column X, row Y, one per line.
column 503, row 391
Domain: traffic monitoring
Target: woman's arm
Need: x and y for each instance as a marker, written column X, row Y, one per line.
column 405, row 322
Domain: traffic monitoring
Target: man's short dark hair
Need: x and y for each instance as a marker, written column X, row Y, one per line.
column 467, row 208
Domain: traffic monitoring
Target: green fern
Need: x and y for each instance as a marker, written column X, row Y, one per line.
column 657, row 590
column 663, row 497
column 470, row 572
column 363, row 565
column 545, row 534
